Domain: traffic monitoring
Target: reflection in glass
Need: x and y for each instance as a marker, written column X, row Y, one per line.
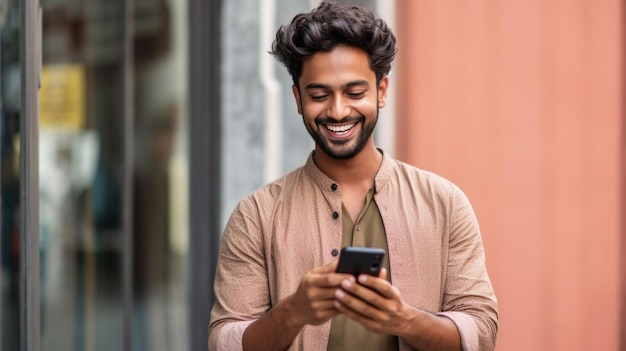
column 160, row 176
column 80, row 164
column 82, row 150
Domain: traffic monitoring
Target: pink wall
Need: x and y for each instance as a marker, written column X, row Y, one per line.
column 520, row 104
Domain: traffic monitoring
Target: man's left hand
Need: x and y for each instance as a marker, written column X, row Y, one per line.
column 374, row 303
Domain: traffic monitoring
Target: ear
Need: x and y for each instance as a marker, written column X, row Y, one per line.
column 382, row 91
column 296, row 95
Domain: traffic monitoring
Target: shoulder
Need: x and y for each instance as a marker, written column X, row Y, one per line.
column 407, row 185
column 272, row 193
column 257, row 210
column 427, row 182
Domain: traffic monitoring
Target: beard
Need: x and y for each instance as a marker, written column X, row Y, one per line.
column 343, row 149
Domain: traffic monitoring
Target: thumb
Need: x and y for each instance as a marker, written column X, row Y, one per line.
column 327, row 268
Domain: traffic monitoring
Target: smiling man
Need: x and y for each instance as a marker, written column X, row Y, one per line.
column 276, row 286
column 342, row 97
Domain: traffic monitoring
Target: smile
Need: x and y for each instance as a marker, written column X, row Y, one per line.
column 340, row 130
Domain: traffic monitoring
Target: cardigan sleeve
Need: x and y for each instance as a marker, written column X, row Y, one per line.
column 230, row 336
column 468, row 299
column 241, row 280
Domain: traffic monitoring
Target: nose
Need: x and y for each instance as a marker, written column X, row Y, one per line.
column 339, row 107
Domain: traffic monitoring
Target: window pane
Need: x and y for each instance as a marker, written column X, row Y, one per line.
column 161, row 180
column 81, row 169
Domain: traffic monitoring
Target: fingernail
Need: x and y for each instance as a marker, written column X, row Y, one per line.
column 339, row 294
column 362, row 278
column 346, row 284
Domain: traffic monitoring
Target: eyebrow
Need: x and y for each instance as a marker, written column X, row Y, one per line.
column 326, row 86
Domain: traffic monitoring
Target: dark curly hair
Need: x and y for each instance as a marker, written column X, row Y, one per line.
column 329, row 25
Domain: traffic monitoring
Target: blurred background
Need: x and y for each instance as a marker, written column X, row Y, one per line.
column 130, row 129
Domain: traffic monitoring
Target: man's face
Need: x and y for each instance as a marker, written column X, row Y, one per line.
column 339, row 100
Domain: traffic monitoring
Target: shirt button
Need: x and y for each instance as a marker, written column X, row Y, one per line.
column 335, row 252
column 335, row 215
column 333, row 187
column 358, row 228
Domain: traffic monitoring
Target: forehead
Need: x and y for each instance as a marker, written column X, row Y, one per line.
column 337, row 67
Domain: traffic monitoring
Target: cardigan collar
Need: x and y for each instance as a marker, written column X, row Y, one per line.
column 329, row 185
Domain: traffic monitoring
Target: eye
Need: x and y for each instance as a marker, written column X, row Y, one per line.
column 356, row 94
column 320, row 97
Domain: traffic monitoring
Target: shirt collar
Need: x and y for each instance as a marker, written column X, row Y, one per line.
column 326, row 184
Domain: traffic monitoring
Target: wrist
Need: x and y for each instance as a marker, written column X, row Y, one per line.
column 287, row 315
column 424, row 330
column 411, row 321
column 273, row 331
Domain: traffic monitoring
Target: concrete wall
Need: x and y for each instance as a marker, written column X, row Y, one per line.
column 245, row 99
column 263, row 136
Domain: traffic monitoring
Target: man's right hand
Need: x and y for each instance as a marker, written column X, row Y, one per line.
column 312, row 303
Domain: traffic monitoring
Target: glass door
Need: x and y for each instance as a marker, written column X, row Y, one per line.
column 95, row 173
column 82, row 169
column 113, row 175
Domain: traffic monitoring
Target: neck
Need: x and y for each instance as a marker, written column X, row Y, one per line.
column 360, row 169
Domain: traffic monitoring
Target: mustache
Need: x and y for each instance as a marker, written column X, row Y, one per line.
column 330, row 120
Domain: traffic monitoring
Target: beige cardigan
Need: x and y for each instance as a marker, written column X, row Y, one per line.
column 283, row 230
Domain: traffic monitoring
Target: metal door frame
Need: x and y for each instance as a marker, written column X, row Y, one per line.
column 30, row 60
column 205, row 158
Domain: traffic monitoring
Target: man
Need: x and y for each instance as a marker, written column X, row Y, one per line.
column 276, row 286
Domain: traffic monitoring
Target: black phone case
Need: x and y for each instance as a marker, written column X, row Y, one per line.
column 361, row 260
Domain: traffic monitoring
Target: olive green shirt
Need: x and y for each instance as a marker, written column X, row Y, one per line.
column 368, row 230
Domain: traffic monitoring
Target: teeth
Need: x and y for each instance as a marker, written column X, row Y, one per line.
column 340, row 129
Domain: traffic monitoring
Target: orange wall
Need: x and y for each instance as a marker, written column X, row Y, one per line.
column 520, row 103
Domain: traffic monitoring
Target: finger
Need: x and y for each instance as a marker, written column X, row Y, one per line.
column 324, row 305
column 380, row 285
column 351, row 313
column 314, row 282
column 356, row 308
column 325, row 276
column 366, row 322
column 322, row 316
column 377, row 303
column 326, row 293
column 332, row 268
column 327, row 268
column 364, row 293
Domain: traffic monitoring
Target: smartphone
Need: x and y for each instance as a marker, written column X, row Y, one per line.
column 361, row 260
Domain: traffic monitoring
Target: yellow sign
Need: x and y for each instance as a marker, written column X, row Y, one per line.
column 62, row 96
